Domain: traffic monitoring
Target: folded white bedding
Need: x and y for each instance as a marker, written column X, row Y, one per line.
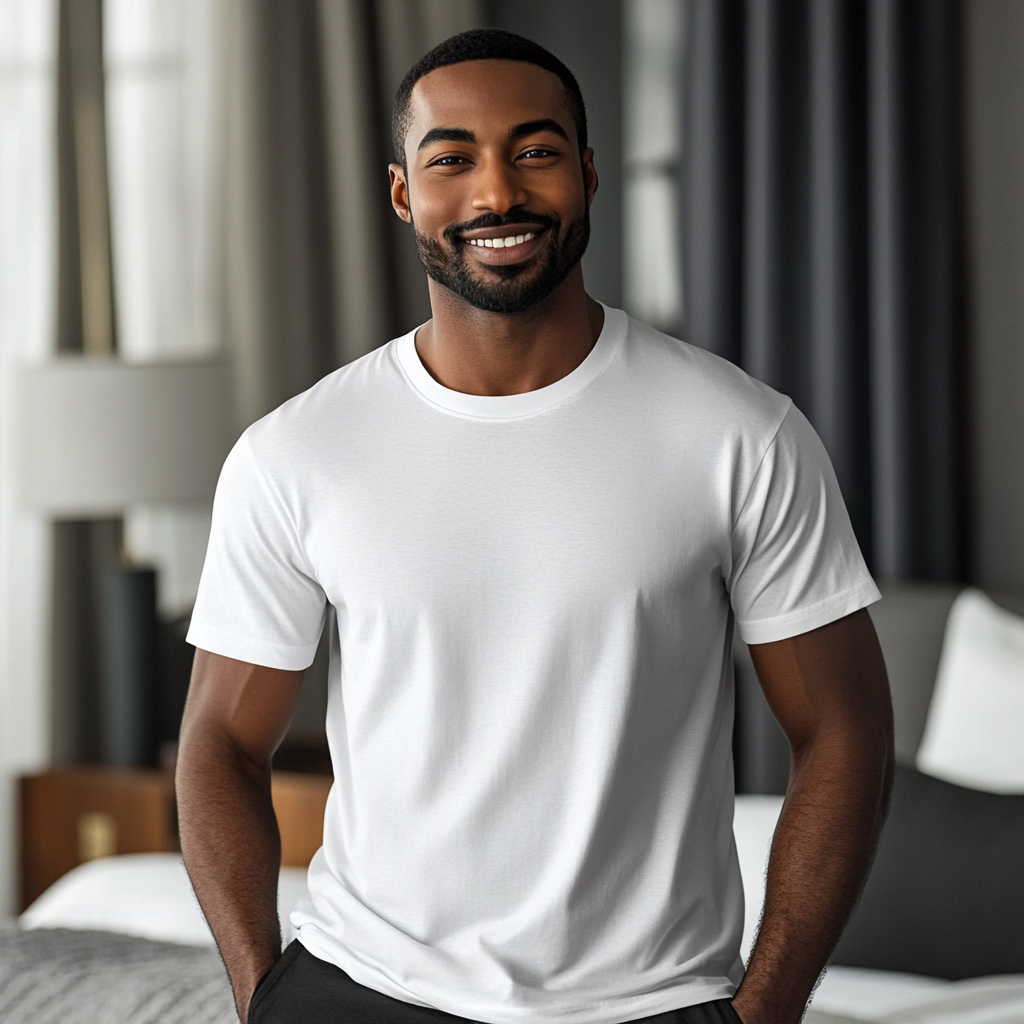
column 148, row 895
column 885, row 997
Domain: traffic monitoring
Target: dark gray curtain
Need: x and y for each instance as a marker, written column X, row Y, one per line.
column 822, row 243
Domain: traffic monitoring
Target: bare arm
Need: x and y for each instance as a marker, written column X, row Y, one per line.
column 829, row 691
column 235, row 718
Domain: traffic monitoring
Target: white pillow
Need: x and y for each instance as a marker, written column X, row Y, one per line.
column 974, row 735
column 148, row 895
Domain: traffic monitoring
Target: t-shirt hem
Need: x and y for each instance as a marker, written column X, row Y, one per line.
column 606, row 1011
column 803, row 620
column 255, row 652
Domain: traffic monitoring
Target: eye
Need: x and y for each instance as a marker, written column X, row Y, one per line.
column 538, row 151
column 447, row 161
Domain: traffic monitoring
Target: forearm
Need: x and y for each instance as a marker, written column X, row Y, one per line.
column 232, row 850
column 820, row 856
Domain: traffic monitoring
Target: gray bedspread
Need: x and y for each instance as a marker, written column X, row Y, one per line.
column 60, row 976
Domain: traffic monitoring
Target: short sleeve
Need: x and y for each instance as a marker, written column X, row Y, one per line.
column 258, row 599
column 796, row 564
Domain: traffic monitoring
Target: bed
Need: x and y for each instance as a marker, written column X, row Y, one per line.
column 937, row 938
column 122, row 941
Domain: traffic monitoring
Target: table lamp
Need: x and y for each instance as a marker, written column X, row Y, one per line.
column 94, row 436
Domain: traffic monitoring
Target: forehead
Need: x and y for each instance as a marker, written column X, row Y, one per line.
column 486, row 96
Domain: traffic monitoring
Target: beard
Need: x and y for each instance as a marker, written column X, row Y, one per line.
column 515, row 287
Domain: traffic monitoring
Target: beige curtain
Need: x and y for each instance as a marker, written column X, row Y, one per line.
column 277, row 317
column 318, row 271
column 406, row 29
column 356, row 158
column 85, row 324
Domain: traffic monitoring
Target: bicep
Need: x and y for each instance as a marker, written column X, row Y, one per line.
column 246, row 705
column 828, row 679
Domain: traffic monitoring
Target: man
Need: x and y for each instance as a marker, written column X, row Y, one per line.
column 536, row 521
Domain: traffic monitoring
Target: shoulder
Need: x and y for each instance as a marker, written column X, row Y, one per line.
column 710, row 394
column 348, row 403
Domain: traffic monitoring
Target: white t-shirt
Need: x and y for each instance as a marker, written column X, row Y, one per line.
column 530, row 701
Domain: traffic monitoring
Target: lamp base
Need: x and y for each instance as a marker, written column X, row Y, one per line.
column 129, row 681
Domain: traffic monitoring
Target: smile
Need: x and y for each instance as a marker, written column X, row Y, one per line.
column 502, row 243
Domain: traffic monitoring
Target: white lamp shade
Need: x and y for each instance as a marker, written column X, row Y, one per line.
column 96, row 434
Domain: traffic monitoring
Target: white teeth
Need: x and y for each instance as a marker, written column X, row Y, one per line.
column 502, row 243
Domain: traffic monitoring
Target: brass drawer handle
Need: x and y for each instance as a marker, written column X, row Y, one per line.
column 97, row 836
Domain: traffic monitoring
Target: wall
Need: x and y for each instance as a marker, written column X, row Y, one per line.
column 994, row 116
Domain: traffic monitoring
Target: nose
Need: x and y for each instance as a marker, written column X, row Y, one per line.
column 498, row 187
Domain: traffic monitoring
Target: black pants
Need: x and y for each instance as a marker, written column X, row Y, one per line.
column 302, row 989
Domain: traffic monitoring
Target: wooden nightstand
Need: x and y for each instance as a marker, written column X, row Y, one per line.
column 72, row 815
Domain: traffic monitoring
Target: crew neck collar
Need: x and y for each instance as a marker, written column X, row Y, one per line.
column 529, row 403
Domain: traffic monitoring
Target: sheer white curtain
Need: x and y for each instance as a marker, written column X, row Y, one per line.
column 28, row 72
column 163, row 95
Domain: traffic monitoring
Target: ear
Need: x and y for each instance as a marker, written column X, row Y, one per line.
column 399, row 192
column 589, row 175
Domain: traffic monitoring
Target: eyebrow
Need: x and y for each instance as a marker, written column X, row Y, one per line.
column 517, row 131
column 446, row 135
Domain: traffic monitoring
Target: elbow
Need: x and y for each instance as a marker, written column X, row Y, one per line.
column 207, row 751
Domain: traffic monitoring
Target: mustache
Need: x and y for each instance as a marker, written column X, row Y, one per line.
column 514, row 218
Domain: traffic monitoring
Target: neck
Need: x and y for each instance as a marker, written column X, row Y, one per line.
column 478, row 353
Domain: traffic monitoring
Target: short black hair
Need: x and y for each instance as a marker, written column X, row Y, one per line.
column 484, row 44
